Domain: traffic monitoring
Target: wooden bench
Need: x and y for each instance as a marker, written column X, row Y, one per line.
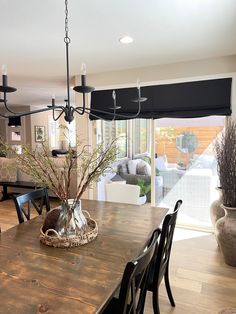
column 16, row 184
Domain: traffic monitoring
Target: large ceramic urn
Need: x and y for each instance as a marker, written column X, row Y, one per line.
column 216, row 210
column 226, row 235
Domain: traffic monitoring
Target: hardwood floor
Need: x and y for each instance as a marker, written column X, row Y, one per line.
column 201, row 282
column 8, row 216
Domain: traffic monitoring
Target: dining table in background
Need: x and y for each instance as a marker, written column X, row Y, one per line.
column 35, row 278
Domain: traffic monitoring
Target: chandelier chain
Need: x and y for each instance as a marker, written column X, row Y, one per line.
column 67, row 38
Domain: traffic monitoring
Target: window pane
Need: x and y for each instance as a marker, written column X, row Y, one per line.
column 140, row 136
column 121, row 132
column 72, row 133
column 113, row 129
column 53, row 127
column 108, row 131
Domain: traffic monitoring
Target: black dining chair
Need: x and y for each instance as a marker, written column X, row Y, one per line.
column 133, row 288
column 24, row 202
column 159, row 267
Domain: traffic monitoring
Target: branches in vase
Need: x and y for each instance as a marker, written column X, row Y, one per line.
column 88, row 164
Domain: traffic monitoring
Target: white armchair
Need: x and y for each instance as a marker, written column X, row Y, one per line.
column 122, row 193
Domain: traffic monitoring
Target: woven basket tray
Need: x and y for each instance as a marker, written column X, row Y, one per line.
column 56, row 240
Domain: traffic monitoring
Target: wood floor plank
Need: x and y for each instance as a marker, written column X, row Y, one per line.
column 223, row 281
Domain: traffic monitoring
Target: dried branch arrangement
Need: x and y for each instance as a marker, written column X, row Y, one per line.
column 89, row 165
column 225, row 149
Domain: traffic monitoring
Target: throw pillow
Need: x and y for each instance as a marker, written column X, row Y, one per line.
column 143, row 168
column 161, row 163
column 122, row 168
column 132, row 165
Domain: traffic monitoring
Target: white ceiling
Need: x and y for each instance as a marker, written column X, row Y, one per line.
column 164, row 31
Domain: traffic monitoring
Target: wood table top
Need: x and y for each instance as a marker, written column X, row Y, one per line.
column 35, row 278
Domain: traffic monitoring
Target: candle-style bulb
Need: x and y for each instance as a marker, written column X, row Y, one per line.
column 114, row 95
column 83, row 69
column 138, row 84
column 4, row 69
column 53, row 99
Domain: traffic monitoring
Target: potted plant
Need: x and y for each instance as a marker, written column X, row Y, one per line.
column 145, row 188
column 225, row 149
column 89, row 165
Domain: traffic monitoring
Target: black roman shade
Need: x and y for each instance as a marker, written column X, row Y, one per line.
column 180, row 100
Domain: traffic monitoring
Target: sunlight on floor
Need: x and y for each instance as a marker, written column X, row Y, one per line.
column 182, row 234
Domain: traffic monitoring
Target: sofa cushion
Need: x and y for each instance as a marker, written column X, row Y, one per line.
column 21, row 176
column 143, row 168
column 8, row 169
column 132, row 165
column 122, row 168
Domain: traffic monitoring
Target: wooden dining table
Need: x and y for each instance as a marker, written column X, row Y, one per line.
column 35, row 278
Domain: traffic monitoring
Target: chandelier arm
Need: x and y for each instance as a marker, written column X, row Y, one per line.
column 21, row 114
column 119, row 115
column 29, row 112
column 8, row 108
column 56, row 107
column 97, row 117
column 58, row 117
column 84, row 104
column 80, row 112
column 84, row 110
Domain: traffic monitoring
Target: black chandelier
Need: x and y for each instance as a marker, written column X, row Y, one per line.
column 68, row 109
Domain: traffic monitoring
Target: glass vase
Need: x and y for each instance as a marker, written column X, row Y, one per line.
column 71, row 221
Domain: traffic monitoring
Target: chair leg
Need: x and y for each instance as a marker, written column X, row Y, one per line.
column 155, row 301
column 167, row 284
column 143, row 301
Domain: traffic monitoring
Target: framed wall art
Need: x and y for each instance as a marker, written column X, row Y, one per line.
column 39, row 133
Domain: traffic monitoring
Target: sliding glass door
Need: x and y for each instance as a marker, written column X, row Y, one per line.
column 185, row 161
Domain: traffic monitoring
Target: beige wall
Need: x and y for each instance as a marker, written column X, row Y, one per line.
column 40, row 119
column 175, row 71
column 29, row 123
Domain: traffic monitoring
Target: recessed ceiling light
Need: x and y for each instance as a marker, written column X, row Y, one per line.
column 126, row 40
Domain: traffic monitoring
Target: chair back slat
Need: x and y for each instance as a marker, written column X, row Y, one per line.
column 25, row 202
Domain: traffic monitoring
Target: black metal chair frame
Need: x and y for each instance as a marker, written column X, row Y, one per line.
column 31, row 199
column 160, row 264
column 133, row 286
